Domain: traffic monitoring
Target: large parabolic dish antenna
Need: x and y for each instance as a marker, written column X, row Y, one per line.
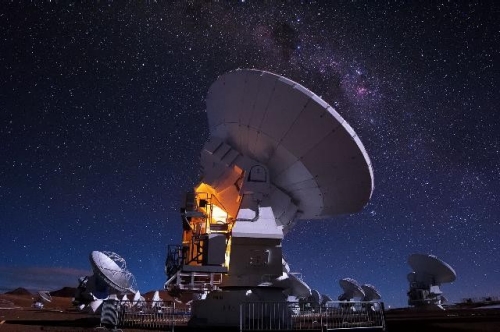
column 311, row 152
column 277, row 153
column 429, row 265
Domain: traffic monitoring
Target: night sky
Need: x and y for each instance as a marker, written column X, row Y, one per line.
column 102, row 120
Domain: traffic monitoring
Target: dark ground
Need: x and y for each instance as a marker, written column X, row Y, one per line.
column 59, row 315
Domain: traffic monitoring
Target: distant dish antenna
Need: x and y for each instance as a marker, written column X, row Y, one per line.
column 45, row 296
column 326, row 298
column 112, row 269
column 41, row 298
column 371, row 293
column 317, row 299
column 292, row 282
column 429, row 272
column 351, row 289
column 430, row 268
column 111, row 276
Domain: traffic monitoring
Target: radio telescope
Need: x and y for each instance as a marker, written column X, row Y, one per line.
column 317, row 298
column 41, row 298
column 371, row 293
column 351, row 289
column 110, row 277
column 429, row 272
column 277, row 153
column 291, row 282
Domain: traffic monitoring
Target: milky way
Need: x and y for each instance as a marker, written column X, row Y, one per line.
column 102, row 121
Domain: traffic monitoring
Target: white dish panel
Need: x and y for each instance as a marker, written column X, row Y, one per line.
column 371, row 293
column 109, row 271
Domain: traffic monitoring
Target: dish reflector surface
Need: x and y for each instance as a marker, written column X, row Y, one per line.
column 371, row 293
column 311, row 152
column 423, row 264
column 351, row 287
column 318, row 299
column 115, row 276
column 45, row 296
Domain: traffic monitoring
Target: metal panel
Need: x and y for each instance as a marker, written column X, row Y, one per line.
column 266, row 91
column 252, row 89
column 310, row 127
column 284, row 107
column 339, row 160
column 233, row 99
column 313, row 199
column 264, row 147
column 280, row 161
column 296, row 173
column 310, row 183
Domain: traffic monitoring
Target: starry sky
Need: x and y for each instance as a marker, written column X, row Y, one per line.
column 102, row 119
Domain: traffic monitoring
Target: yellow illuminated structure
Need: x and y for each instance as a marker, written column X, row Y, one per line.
column 203, row 216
